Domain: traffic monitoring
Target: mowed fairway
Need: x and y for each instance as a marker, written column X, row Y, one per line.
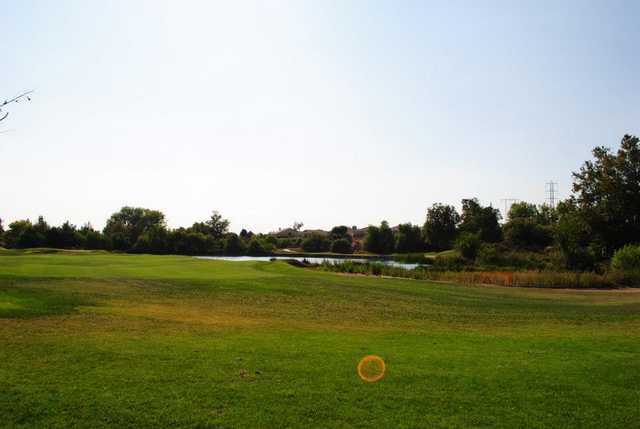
column 100, row 340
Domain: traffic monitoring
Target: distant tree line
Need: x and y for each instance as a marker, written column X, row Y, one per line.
column 139, row 230
column 601, row 217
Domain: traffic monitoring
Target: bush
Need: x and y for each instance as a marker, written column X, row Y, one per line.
column 468, row 245
column 448, row 263
column 341, row 245
column 627, row 259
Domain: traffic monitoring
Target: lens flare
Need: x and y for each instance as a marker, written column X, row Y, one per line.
column 371, row 368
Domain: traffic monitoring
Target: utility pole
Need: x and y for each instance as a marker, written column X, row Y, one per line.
column 551, row 189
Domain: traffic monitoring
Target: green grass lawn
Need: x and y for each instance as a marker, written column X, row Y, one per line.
column 103, row 340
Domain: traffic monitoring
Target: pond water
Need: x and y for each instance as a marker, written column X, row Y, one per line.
column 312, row 260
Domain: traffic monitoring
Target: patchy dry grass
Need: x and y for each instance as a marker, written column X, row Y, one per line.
column 100, row 340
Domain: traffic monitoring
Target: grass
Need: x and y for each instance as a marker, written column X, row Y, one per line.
column 103, row 340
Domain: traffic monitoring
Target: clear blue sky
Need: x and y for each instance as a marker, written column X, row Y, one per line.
column 342, row 112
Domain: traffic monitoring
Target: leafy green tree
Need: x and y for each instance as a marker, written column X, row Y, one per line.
column 341, row 245
column 64, row 237
column 527, row 233
column 125, row 226
column 440, row 227
column 483, row 221
column 379, row 239
column 608, row 194
column 574, row 236
column 340, row 232
column 528, row 226
column 523, row 210
column 409, row 239
column 316, row 243
column 468, row 245
column 22, row 234
column 218, row 226
column 186, row 242
column 258, row 247
column 42, row 229
column 387, row 238
column 93, row 239
column 372, row 239
column 234, row 245
column 153, row 239
column 1, row 234
column 246, row 235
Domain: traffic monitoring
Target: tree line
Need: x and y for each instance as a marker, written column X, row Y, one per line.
column 600, row 217
column 139, row 230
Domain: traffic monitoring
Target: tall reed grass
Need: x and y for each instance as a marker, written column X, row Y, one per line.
column 541, row 279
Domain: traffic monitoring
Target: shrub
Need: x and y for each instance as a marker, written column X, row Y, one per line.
column 627, row 259
column 448, row 263
column 341, row 245
column 468, row 245
column 411, row 258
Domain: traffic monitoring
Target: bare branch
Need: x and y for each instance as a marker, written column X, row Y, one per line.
column 13, row 100
column 17, row 98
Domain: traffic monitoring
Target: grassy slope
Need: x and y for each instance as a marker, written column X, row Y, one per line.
column 98, row 340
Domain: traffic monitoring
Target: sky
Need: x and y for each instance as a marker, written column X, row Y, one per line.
column 324, row 112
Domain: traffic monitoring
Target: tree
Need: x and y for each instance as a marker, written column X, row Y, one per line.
column 297, row 226
column 608, row 194
column 483, row 221
column 340, row 233
column 379, row 239
column 316, row 243
column 1, row 234
column 234, row 245
column 22, row 234
column 575, row 237
column 246, row 235
column 372, row 239
column 468, row 245
column 440, row 227
column 258, row 247
column 218, row 226
column 153, row 239
column 409, row 239
column 341, row 245
column 125, row 226
column 528, row 226
column 523, row 210
column 64, row 237
column 93, row 239
column 186, row 242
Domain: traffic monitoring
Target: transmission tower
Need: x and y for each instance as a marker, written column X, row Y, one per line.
column 551, row 188
column 508, row 202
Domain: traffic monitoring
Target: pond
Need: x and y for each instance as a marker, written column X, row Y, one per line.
column 312, row 260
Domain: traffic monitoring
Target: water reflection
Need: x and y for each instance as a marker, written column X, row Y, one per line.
column 312, row 260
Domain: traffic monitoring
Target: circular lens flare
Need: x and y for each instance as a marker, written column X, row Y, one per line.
column 371, row 368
